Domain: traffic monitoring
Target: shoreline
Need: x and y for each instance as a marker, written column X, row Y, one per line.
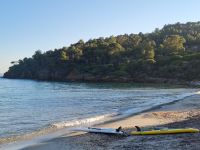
column 143, row 118
column 104, row 119
column 150, row 81
column 154, row 108
column 165, row 115
column 178, row 114
column 162, row 108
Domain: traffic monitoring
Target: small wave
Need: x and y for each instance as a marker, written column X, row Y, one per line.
column 121, row 114
column 56, row 129
column 157, row 102
column 86, row 121
column 43, row 134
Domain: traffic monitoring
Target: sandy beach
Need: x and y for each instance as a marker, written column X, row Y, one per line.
column 179, row 114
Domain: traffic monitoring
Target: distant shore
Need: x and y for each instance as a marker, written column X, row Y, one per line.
column 180, row 114
column 110, row 79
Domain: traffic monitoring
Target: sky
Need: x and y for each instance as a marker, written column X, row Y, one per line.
column 30, row 25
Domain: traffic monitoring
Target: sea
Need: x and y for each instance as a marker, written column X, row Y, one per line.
column 28, row 106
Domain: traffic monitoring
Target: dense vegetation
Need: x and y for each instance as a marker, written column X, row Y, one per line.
column 171, row 53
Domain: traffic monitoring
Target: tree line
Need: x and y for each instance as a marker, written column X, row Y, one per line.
column 172, row 52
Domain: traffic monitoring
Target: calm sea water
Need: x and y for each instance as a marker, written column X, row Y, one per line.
column 26, row 106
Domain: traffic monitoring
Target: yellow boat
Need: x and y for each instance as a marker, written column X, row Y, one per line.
column 165, row 131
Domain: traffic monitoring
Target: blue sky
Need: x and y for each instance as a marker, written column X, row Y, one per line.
column 29, row 25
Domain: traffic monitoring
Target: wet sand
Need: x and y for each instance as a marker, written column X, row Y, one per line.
column 180, row 114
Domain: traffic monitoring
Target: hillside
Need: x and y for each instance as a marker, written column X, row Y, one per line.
column 170, row 54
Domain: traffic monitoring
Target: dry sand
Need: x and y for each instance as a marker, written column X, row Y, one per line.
column 180, row 114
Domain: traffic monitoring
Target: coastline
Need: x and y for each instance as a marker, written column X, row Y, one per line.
column 171, row 115
column 110, row 79
column 84, row 121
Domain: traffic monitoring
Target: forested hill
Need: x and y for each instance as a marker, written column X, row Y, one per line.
column 168, row 54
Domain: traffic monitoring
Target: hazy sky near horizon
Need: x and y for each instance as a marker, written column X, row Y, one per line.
column 29, row 25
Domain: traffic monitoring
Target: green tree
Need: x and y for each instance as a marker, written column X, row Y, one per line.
column 148, row 49
column 63, row 55
column 38, row 54
column 74, row 53
column 174, row 44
